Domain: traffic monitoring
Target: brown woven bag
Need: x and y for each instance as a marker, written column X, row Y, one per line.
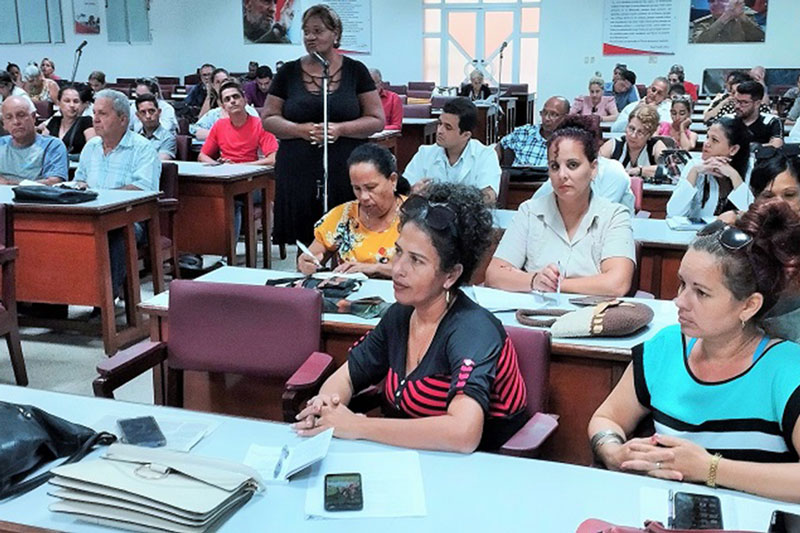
column 614, row 318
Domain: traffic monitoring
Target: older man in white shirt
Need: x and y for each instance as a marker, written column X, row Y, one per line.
column 656, row 95
column 456, row 157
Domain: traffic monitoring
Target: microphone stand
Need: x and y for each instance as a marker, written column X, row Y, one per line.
column 325, row 79
column 76, row 62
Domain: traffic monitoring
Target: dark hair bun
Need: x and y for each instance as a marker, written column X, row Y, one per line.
column 582, row 122
column 775, row 252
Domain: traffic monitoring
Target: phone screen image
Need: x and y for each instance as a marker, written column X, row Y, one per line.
column 695, row 511
column 142, row 431
column 343, row 492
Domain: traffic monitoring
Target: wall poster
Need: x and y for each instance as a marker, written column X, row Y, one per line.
column 86, row 14
column 636, row 27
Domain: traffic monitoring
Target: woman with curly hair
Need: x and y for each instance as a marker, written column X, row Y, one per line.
column 570, row 239
column 361, row 233
column 452, row 381
column 638, row 151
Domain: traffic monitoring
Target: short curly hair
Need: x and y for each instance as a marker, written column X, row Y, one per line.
column 473, row 225
column 648, row 115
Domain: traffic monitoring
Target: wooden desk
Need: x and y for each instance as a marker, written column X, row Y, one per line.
column 662, row 251
column 519, row 191
column 205, row 220
column 524, row 494
column 64, row 255
column 387, row 139
column 508, row 120
column 655, row 198
column 582, row 371
column 415, row 133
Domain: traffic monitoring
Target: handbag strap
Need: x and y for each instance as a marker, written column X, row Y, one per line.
column 103, row 438
column 524, row 317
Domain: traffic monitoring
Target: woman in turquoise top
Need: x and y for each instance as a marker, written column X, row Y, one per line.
column 724, row 395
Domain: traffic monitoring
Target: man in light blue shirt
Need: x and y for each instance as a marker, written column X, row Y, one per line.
column 24, row 154
column 149, row 114
column 456, row 157
column 117, row 159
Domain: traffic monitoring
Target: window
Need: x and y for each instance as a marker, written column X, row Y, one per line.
column 31, row 21
column 462, row 35
column 128, row 21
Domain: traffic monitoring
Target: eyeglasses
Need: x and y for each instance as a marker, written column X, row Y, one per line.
column 437, row 215
column 638, row 132
column 730, row 237
column 549, row 114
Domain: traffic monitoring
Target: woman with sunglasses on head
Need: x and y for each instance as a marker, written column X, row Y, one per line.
column 452, row 382
column 570, row 239
column 678, row 129
column 638, row 151
column 717, row 183
column 724, row 393
column 361, row 233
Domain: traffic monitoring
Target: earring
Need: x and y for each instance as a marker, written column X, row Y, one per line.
column 744, row 323
column 447, row 296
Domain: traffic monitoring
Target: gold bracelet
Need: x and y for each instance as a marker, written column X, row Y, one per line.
column 711, row 480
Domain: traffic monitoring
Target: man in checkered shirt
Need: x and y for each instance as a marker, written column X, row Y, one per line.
column 529, row 142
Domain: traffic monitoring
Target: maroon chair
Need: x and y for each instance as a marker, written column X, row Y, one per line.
column 514, row 88
column 502, row 194
column 167, row 207
column 399, row 89
column 421, row 86
column 232, row 329
column 417, row 111
column 9, row 325
column 191, row 79
column 417, row 93
column 438, row 102
column 533, row 355
column 168, row 80
column 183, row 146
column 637, row 188
column 43, row 110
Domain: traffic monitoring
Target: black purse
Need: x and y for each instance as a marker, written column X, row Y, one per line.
column 39, row 194
column 32, row 437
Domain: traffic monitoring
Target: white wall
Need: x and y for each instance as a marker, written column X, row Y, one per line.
column 572, row 30
column 187, row 33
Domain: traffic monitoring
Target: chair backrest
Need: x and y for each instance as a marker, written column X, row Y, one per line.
column 43, row 109
column 421, row 85
column 533, row 356
column 399, row 89
column 637, row 188
column 438, row 102
column 502, row 194
column 668, row 141
column 419, row 94
column 515, row 88
column 191, row 79
column 182, row 147
column 417, row 110
column 6, row 226
column 168, row 80
column 169, row 180
column 242, row 329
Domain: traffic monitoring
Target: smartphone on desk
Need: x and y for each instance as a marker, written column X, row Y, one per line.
column 694, row 511
column 783, row 522
column 343, row 492
column 141, row 431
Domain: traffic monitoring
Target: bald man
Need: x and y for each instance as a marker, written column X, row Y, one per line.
column 24, row 154
column 529, row 142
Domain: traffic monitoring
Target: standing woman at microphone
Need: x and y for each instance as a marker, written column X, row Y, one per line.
column 293, row 113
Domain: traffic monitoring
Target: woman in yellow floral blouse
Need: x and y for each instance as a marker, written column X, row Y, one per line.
column 361, row 233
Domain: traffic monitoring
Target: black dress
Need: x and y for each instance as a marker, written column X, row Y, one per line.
column 298, row 164
column 74, row 139
column 466, row 91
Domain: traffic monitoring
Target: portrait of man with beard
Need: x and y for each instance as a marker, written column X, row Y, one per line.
column 267, row 21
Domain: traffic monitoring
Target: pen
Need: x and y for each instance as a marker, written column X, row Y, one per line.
column 279, row 464
column 558, row 285
column 671, row 518
column 305, row 250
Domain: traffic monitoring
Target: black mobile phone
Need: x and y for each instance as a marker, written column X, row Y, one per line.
column 695, row 511
column 783, row 522
column 696, row 220
column 141, row 431
column 343, row 492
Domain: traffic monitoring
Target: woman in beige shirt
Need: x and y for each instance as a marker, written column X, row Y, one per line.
column 569, row 240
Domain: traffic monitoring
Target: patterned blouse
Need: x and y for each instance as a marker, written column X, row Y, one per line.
column 342, row 232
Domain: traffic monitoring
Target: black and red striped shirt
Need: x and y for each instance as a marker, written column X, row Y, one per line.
column 470, row 354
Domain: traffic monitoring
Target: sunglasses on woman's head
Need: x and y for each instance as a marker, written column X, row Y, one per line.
column 730, row 237
column 438, row 215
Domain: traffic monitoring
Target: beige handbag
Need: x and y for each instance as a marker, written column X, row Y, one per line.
column 613, row 318
column 143, row 489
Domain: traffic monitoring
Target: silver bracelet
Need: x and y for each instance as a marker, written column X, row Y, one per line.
column 602, row 438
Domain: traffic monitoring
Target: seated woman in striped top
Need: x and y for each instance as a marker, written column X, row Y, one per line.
column 724, row 394
column 452, row 381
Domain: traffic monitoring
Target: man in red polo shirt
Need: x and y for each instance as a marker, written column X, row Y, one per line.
column 240, row 138
column 392, row 105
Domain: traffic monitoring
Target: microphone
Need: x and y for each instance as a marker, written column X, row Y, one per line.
column 80, row 48
column 504, row 45
column 318, row 57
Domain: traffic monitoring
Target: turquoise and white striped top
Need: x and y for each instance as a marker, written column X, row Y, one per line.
column 748, row 417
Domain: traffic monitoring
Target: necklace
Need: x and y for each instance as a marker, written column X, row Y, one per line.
column 428, row 337
column 365, row 220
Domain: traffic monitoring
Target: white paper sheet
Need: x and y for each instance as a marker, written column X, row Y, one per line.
column 181, row 433
column 391, row 483
column 265, row 458
column 495, row 300
column 684, row 224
